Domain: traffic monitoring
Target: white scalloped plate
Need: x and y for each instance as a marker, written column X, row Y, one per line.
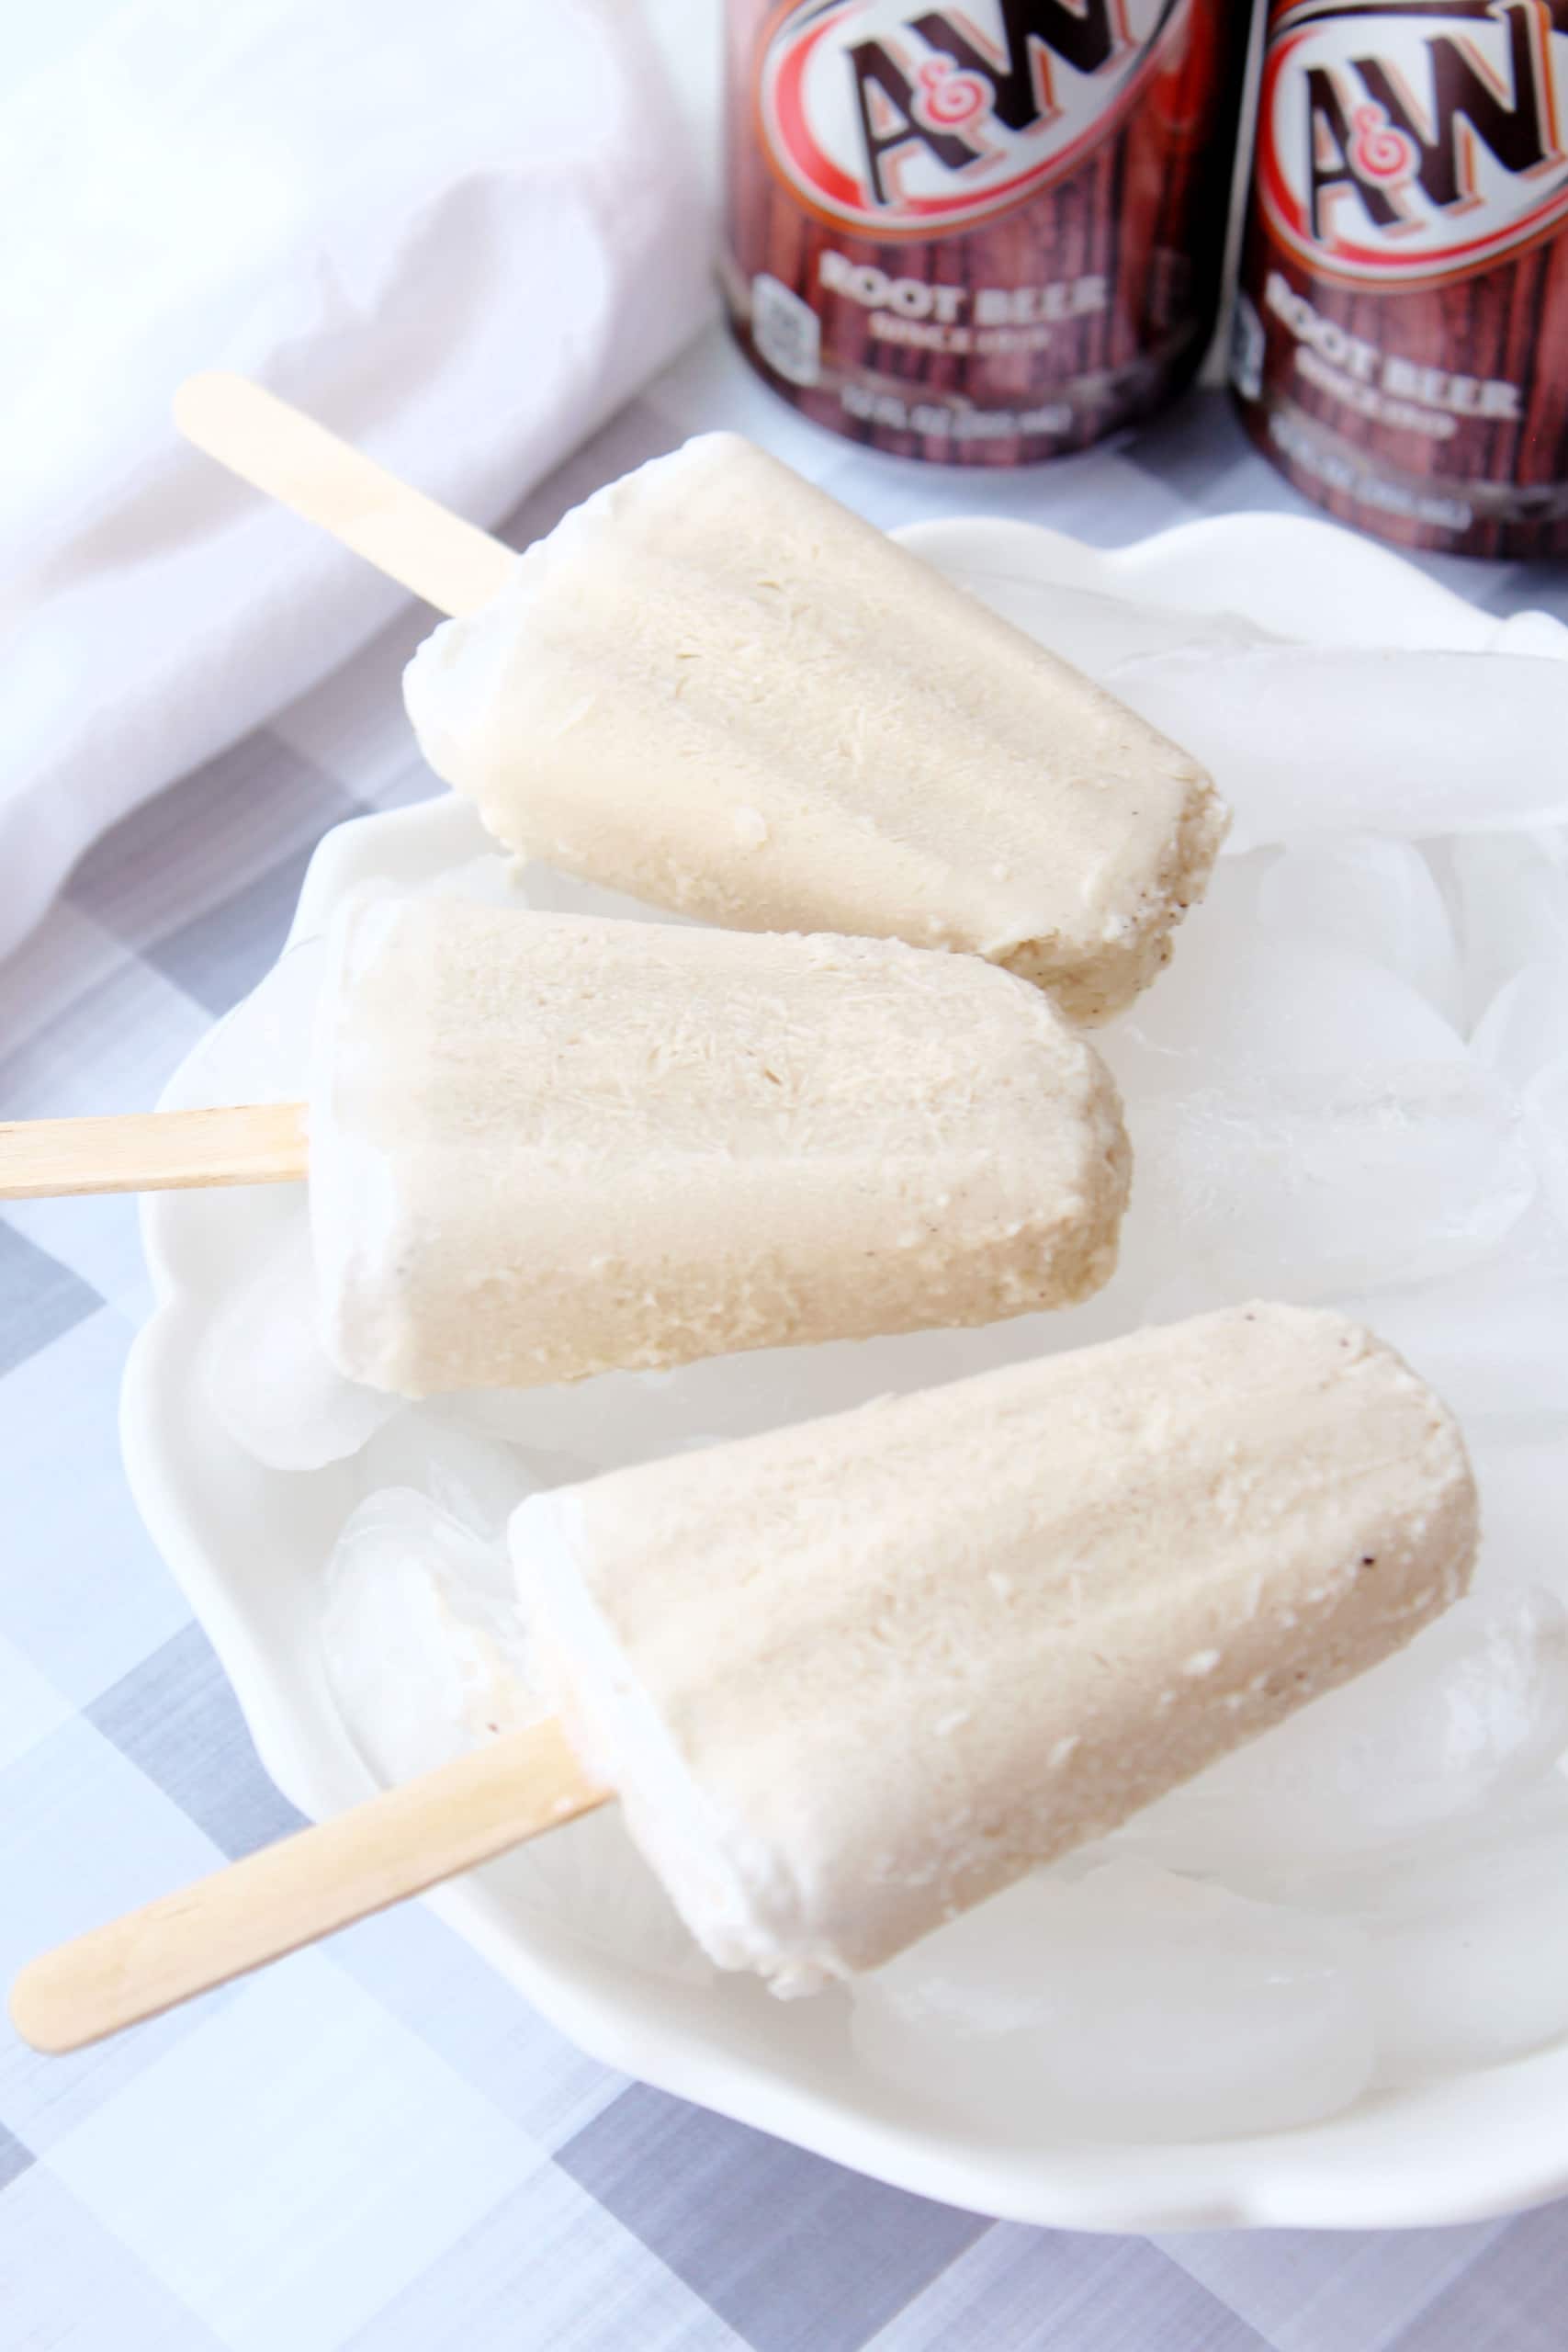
column 246, row 1543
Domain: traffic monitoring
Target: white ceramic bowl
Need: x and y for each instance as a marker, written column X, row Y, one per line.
column 247, row 1544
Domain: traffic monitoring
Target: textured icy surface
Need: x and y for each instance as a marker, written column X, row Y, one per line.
column 1378, row 898
column 1399, row 742
column 1099, row 633
column 1475, row 1709
column 1131, row 2004
column 1467, row 1939
column 1351, row 1086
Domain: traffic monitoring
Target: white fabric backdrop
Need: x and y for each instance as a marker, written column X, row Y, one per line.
column 462, row 231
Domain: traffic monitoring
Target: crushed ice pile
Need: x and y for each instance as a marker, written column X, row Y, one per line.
column 1351, row 1087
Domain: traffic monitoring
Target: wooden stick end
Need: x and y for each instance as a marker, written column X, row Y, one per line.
column 39, row 2016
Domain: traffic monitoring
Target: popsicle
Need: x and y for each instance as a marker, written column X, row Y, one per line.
column 849, row 1678
column 541, row 1145
column 544, row 1145
column 852, row 1677
column 715, row 688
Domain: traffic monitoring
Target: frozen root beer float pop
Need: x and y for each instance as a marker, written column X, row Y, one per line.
column 850, row 1678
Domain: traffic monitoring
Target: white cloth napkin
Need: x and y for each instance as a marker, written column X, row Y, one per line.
column 461, row 231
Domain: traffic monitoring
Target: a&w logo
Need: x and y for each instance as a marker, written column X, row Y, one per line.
column 905, row 120
column 1397, row 145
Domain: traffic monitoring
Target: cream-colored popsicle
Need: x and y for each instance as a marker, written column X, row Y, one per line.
column 542, row 1146
column 850, row 1678
column 715, row 688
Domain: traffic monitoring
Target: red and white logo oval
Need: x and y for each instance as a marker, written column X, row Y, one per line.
column 902, row 121
column 1399, row 145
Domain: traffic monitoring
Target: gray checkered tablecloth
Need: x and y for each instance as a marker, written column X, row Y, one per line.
column 376, row 2146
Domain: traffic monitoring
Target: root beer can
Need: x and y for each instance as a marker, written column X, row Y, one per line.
column 980, row 233
column 1401, row 340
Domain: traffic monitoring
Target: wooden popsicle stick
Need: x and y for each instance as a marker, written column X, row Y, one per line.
column 305, row 1887
column 452, row 564
column 153, row 1151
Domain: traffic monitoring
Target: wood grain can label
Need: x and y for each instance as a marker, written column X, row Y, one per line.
column 984, row 233
column 1401, row 342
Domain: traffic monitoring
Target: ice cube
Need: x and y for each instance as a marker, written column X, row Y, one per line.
column 1315, row 738
column 1523, row 1479
column 1098, row 633
column 1513, row 900
column 1302, row 1185
column 1490, row 1339
column 475, row 1480
column 1545, row 1105
column 269, row 1379
column 1304, row 1118
column 1132, row 2005
column 1245, row 1000
column 1474, row 1708
column 1524, row 1027
column 1301, row 1119
column 425, row 1649
column 1468, row 1942
column 1376, row 897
